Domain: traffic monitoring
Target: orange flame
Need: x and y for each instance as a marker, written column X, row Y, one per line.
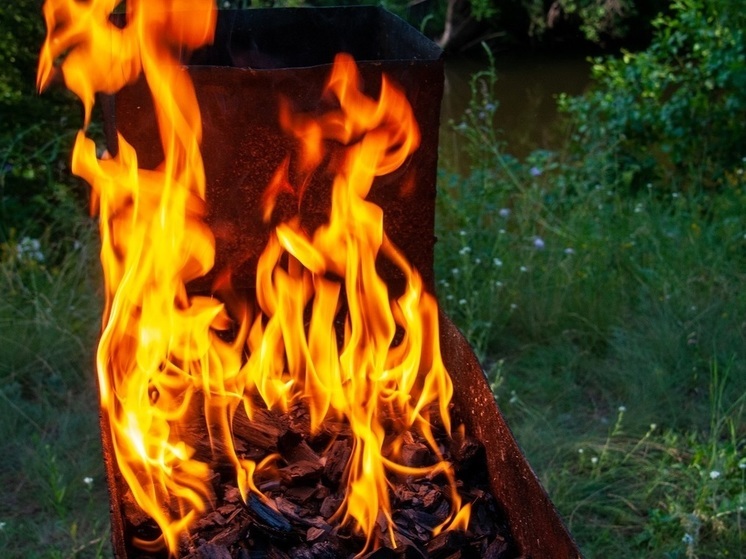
column 371, row 376
column 364, row 356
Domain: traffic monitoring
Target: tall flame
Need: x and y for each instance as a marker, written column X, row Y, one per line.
column 362, row 355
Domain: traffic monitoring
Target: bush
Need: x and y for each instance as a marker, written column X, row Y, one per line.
column 673, row 111
column 38, row 196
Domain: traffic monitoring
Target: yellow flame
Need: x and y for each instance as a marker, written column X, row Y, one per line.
column 370, row 376
column 364, row 356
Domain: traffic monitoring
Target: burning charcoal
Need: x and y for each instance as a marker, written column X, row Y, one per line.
column 410, row 549
column 405, row 551
column 330, row 505
column 432, row 498
column 300, row 419
column 266, row 551
column 211, row 551
column 263, row 431
column 404, row 526
column 415, row 455
column 303, row 470
column 212, row 519
column 269, row 485
column 319, row 550
column 314, row 534
column 464, row 448
column 300, row 495
column 404, row 495
column 336, row 460
column 324, row 550
column 332, row 429
column 445, row 544
column 232, row 532
column 423, row 522
column 441, row 512
column 296, row 514
column 232, row 494
column 498, row 549
column 293, row 448
column 228, row 510
column 267, row 518
column 381, row 553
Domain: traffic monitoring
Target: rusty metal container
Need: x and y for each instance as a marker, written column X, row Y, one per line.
column 259, row 57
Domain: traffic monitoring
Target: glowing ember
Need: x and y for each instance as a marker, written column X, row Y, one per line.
column 323, row 329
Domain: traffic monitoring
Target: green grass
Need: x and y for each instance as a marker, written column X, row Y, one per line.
column 645, row 314
column 611, row 327
column 54, row 500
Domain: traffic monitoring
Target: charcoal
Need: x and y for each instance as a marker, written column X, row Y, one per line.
column 211, row 551
column 271, row 520
column 336, row 460
column 498, row 549
column 297, row 517
column 415, row 455
column 302, row 470
column 445, row 544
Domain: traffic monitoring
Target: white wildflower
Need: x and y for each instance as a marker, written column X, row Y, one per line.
column 714, row 474
column 497, row 262
column 29, row 249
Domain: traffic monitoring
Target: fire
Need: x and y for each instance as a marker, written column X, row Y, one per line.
column 323, row 330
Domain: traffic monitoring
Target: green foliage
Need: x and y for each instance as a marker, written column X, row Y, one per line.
column 674, row 111
column 609, row 321
column 38, row 196
column 54, row 496
column 666, row 494
column 21, row 33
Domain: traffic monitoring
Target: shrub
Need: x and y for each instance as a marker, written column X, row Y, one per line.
column 673, row 111
column 38, row 196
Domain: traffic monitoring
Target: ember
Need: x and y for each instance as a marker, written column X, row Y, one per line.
column 306, row 489
column 278, row 388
